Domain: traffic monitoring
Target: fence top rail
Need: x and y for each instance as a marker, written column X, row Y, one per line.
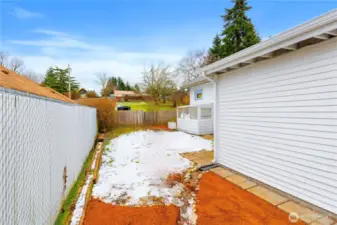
column 30, row 95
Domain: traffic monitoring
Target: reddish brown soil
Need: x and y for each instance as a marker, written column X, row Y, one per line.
column 99, row 213
column 173, row 179
column 160, row 127
column 220, row 202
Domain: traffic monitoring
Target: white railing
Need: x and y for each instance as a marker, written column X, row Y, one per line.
column 195, row 119
column 195, row 112
column 43, row 143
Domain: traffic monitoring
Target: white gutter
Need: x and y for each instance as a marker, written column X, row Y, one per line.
column 215, row 133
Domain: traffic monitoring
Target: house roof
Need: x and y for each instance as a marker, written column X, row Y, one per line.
column 118, row 93
column 314, row 31
column 195, row 82
column 12, row 80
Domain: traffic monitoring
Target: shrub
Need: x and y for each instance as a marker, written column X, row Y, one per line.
column 186, row 100
column 105, row 111
column 180, row 98
column 74, row 95
column 91, row 94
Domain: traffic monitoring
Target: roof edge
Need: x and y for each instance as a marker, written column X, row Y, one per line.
column 195, row 82
column 325, row 24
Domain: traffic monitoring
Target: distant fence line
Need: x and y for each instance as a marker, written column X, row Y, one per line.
column 43, row 144
column 144, row 118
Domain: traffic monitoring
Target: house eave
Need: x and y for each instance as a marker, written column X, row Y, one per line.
column 314, row 31
column 195, row 83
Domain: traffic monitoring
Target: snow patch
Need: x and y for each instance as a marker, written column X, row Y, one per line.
column 136, row 165
column 77, row 213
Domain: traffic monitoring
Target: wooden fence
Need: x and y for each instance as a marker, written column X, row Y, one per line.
column 144, row 118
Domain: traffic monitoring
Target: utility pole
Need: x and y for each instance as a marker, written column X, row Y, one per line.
column 69, row 88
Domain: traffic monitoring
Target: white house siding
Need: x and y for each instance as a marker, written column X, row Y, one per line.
column 206, row 126
column 277, row 122
column 207, row 95
column 187, row 125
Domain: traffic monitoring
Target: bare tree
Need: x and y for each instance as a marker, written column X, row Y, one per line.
column 32, row 75
column 188, row 65
column 16, row 64
column 158, row 82
column 102, row 81
column 3, row 58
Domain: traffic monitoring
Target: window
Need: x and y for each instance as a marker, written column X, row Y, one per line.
column 186, row 113
column 181, row 113
column 198, row 94
column 193, row 113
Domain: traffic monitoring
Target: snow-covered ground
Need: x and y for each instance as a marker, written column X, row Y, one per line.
column 78, row 211
column 136, row 165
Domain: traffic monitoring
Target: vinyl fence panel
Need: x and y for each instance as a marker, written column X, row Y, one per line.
column 42, row 142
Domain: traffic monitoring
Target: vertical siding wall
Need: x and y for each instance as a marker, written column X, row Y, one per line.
column 277, row 123
column 38, row 139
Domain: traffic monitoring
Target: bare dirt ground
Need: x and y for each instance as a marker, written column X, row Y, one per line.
column 220, row 202
column 99, row 213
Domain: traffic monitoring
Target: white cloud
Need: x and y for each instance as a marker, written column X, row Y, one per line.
column 25, row 14
column 62, row 42
column 56, row 39
column 86, row 58
column 51, row 32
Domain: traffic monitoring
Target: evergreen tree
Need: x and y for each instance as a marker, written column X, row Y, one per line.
column 216, row 49
column 128, row 87
column 58, row 79
column 136, row 89
column 50, row 79
column 239, row 32
column 110, row 86
column 120, row 84
column 113, row 81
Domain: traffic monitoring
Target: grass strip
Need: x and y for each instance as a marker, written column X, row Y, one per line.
column 69, row 203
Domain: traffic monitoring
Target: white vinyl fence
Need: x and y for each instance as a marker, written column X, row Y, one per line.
column 41, row 141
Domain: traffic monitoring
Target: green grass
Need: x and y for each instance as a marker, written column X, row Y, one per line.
column 147, row 106
column 73, row 193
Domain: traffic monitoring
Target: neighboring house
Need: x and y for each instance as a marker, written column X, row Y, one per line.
column 197, row 117
column 83, row 93
column 11, row 80
column 276, row 111
column 120, row 95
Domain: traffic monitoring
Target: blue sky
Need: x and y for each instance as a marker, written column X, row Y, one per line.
column 120, row 36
